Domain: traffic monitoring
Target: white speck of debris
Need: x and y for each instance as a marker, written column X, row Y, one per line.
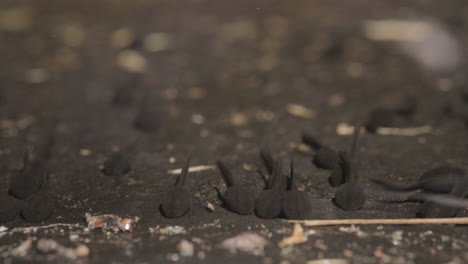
column 172, row 160
column 3, row 228
column 210, row 207
column 300, row 111
column 198, row 119
column 156, row 42
column 355, row 70
column 186, row 248
column 397, row 236
column 297, row 237
column 168, row 230
column 73, row 35
column 246, row 242
column 407, row 131
column 36, row 76
column 426, row 42
column 131, row 60
column 193, row 169
column 22, row 249
column 328, row 261
column 85, row 152
column 122, row 38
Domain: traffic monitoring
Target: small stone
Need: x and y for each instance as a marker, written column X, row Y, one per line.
column 131, row 60
column 185, row 248
column 239, row 119
column 122, row 38
column 157, row 42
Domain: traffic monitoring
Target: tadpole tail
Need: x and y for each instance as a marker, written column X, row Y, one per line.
column 356, row 135
column 45, row 177
column 267, row 160
column 264, row 178
column 345, row 167
column 441, row 199
column 225, row 172
column 292, row 183
column 394, row 188
column 46, row 150
column 183, row 175
column 276, row 175
column 311, row 141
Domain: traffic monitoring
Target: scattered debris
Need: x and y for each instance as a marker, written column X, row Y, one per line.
column 402, row 221
column 246, row 242
column 210, row 207
column 328, row 261
column 426, row 42
column 344, row 129
column 168, row 230
column 193, row 169
column 297, row 236
column 23, row 248
column 131, row 60
column 157, row 42
column 185, row 248
column 122, row 38
column 239, row 119
column 111, row 222
column 50, row 246
column 300, row 111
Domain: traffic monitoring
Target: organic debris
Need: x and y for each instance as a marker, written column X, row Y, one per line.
column 246, row 242
column 111, row 222
column 297, row 236
column 50, row 246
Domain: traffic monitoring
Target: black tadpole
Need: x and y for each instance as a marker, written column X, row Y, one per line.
column 295, row 204
column 120, row 163
column 325, row 157
column 337, row 177
column 177, row 201
column 269, row 164
column 437, row 180
column 124, row 93
column 39, row 206
column 147, row 119
column 28, row 180
column 350, row 195
column 10, row 207
column 237, row 198
column 268, row 202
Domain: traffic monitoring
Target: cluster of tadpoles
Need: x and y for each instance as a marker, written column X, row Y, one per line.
column 27, row 194
column 281, row 196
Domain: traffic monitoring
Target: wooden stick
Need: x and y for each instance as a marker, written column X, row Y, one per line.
column 403, row 221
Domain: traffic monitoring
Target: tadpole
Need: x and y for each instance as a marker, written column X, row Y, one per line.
column 337, row 177
column 177, row 201
column 268, row 202
column 147, row 118
column 437, row 180
column 325, row 157
column 120, row 163
column 295, row 204
column 350, row 195
column 269, row 164
column 27, row 181
column 10, row 207
column 39, row 206
column 124, row 93
column 238, row 199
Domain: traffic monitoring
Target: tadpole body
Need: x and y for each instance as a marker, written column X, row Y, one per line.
column 237, row 198
column 386, row 117
column 28, row 180
column 431, row 209
column 124, row 94
column 10, row 207
column 147, row 119
column 120, row 163
column 325, row 157
column 40, row 206
column 177, row 201
column 268, row 201
column 437, row 180
column 295, row 204
column 350, row 195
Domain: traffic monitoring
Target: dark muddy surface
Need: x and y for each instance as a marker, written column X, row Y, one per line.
column 218, row 82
